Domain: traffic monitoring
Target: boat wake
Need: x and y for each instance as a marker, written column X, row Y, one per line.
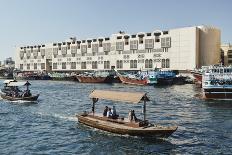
column 59, row 116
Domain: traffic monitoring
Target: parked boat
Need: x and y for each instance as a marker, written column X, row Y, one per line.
column 165, row 77
column 217, row 83
column 12, row 92
column 133, row 79
column 95, row 77
column 121, row 125
column 62, row 76
column 20, row 75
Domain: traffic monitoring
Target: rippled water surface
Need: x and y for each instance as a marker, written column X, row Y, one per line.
column 50, row 126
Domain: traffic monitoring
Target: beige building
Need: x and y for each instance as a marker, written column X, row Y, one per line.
column 226, row 50
column 175, row 49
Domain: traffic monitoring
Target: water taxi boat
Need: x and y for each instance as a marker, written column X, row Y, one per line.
column 11, row 91
column 217, row 82
column 123, row 126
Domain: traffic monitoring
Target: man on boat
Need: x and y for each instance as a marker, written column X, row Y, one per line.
column 105, row 111
column 109, row 113
column 114, row 113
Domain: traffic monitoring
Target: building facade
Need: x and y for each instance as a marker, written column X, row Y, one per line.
column 176, row 49
column 226, row 54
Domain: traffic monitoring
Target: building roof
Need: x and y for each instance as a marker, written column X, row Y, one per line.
column 130, row 97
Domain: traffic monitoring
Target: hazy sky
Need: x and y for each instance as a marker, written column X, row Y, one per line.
column 31, row 22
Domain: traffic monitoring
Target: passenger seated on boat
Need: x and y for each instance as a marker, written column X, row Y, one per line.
column 114, row 113
column 109, row 113
column 133, row 116
column 105, row 111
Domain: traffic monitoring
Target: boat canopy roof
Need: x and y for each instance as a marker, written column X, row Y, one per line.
column 8, row 81
column 129, row 97
column 16, row 84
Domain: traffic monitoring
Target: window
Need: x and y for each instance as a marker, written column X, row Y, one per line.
column 28, row 66
column 119, row 46
column 149, row 43
column 94, row 65
column 73, row 49
column 83, row 65
column 21, row 54
column 73, row 65
column 63, row 65
column 64, row 51
column 55, row 51
column 83, row 49
column 42, row 65
column 100, row 43
column 106, row 64
column 163, row 63
column 133, row 64
column 119, row 64
column 54, row 65
column 89, row 44
column 148, row 63
column 140, row 40
column 35, row 66
column 21, row 66
column 42, row 52
column 95, row 48
column 133, row 44
column 106, row 47
column 126, row 41
column 166, row 42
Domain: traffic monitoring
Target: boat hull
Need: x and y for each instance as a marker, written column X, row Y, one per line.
column 133, row 81
column 10, row 98
column 107, row 125
column 198, row 77
column 91, row 79
column 218, row 93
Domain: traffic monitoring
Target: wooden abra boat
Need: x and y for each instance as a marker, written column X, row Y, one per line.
column 11, row 91
column 124, row 126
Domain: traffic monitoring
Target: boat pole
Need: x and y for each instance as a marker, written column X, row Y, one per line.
column 144, row 110
column 93, row 107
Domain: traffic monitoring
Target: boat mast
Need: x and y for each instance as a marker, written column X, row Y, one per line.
column 93, row 107
column 144, row 110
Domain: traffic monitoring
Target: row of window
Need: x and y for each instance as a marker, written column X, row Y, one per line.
column 165, row 63
column 35, row 66
column 83, row 65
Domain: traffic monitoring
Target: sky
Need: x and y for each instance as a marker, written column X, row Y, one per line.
column 33, row 22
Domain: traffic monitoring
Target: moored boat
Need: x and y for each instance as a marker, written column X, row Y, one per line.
column 95, row 77
column 121, row 125
column 217, row 83
column 11, row 91
column 133, row 79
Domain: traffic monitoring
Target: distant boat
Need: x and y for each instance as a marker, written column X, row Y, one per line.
column 133, row 79
column 119, row 125
column 13, row 93
column 95, row 77
column 90, row 79
column 165, row 77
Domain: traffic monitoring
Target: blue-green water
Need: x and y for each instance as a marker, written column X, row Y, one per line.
column 50, row 127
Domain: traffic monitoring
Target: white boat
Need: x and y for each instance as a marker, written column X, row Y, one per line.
column 217, row 82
